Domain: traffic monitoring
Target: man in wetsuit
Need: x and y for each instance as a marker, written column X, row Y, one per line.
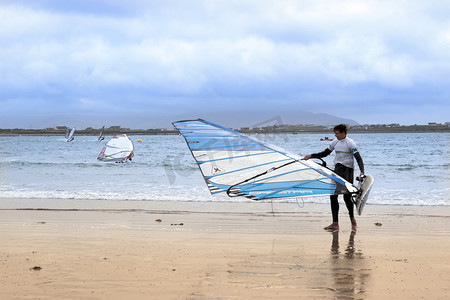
column 345, row 149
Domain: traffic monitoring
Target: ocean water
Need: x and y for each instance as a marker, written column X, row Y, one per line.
column 409, row 168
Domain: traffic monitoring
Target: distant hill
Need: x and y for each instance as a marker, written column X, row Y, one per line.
column 145, row 120
column 237, row 119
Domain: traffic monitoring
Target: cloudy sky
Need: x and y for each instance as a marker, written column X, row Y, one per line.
column 142, row 64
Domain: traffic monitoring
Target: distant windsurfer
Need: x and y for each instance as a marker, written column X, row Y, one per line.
column 344, row 165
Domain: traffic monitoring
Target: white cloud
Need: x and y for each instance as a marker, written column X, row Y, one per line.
column 282, row 49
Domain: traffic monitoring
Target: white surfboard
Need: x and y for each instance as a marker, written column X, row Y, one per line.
column 364, row 189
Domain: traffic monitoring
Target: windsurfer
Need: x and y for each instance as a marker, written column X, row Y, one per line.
column 344, row 164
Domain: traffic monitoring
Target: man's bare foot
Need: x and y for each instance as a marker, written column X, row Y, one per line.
column 353, row 220
column 333, row 227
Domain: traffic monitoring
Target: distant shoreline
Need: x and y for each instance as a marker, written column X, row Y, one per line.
column 285, row 129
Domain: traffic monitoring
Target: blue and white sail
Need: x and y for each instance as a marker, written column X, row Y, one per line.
column 239, row 165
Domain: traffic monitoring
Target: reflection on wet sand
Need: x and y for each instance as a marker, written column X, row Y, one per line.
column 348, row 269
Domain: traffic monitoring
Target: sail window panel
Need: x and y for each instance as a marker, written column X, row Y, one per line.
column 204, row 143
column 291, row 173
column 239, row 164
column 235, row 156
column 220, row 176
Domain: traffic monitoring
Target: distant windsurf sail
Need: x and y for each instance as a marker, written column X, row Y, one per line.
column 101, row 137
column 70, row 136
column 67, row 133
column 239, row 165
column 119, row 149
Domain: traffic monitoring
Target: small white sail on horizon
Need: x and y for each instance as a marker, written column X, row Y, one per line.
column 70, row 137
column 67, row 133
column 101, row 137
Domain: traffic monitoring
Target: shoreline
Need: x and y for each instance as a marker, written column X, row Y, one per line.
column 211, row 250
column 301, row 130
column 243, row 207
column 325, row 132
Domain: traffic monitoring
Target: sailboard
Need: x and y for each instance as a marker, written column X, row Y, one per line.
column 101, row 137
column 364, row 186
column 118, row 149
column 70, row 136
column 239, row 165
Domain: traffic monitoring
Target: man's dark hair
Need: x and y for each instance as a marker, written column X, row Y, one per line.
column 340, row 128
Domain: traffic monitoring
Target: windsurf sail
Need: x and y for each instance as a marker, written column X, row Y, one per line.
column 239, row 165
column 118, row 149
column 70, row 136
column 67, row 133
column 101, row 137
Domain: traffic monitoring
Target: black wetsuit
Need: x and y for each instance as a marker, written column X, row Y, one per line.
column 345, row 172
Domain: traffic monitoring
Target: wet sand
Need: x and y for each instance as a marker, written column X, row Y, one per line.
column 163, row 250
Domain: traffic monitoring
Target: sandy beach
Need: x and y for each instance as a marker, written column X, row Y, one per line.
column 160, row 250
